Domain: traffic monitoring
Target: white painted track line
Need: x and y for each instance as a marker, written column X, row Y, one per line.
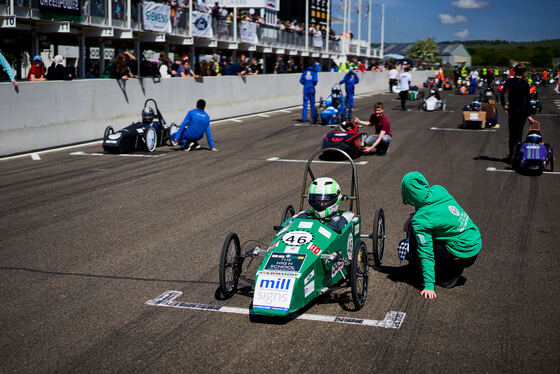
column 467, row 130
column 50, row 150
column 116, row 154
column 392, row 320
column 278, row 159
column 513, row 171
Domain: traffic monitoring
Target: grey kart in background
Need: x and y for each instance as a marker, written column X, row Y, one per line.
column 143, row 135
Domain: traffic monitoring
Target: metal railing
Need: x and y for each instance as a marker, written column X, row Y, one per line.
column 114, row 13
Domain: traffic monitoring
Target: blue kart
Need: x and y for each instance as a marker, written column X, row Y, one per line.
column 533, row 156
column 335, row 111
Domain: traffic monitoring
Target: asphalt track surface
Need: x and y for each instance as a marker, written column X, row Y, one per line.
column 88, row 240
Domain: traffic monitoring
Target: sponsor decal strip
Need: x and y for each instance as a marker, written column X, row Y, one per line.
column 513, row 171
column 272, row 159
column 392, row 320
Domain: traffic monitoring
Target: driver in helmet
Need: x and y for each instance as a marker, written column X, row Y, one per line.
column 147, row 116
column 324, row 198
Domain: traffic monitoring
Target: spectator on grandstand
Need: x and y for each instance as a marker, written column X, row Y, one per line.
column 57, row 71
column 8, row 69
column 176, row 65
column 280, row 67
column 37, row 71
column 185, row 71
column 164, row 64
column 118, row 68
column 255, row 68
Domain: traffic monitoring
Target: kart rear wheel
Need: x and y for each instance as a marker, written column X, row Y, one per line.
column 359, row 275
column 288, row 212
column 172, row 130
column 230, row 265
column 150, row 139
column 378, row 237
column 108, row 131
column 551, row 159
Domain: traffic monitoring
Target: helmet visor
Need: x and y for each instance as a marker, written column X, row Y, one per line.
column 321, row 202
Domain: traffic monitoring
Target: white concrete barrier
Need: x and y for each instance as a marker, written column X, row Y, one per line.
column 41, row 115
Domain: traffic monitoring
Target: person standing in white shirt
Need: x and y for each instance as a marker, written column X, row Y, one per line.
column 393, row 75
column 404, row 84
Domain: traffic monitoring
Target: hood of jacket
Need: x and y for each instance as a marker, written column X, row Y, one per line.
column 415, row 189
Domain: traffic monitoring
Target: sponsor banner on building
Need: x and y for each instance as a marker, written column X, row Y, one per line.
column 61, row 9
column 202, row 25
column 317, row 40
column 157, row 17
column 248, row 32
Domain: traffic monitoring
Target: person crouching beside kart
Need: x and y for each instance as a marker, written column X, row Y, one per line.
column 198, row 122
column 443, row 238
column 324, row 199
column 379, row 142
column 350, row 80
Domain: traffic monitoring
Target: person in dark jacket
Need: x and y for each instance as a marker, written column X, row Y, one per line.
column 57, row 71
column 517, row 106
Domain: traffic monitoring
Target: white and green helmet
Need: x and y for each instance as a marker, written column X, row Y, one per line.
column 324, row 197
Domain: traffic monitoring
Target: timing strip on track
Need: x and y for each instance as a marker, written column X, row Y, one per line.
column 315, row 161
column 468, row 130
column 513, row 171
column 111, row 154
column 392, row 320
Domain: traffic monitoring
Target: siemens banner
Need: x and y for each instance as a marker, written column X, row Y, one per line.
column 157, row 17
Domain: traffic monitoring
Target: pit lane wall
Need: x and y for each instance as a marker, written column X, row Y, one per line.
column 42, row 115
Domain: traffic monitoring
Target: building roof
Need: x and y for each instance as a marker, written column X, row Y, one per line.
column 404, row 48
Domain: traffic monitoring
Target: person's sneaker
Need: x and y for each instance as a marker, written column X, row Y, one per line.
column 189, row 146
column 496, row 126
column 449, row 283
column 196, row 145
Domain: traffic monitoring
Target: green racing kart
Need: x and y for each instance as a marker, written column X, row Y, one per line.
column 305, row 259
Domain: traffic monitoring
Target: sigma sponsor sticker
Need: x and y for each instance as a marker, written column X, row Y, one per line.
column 356, row 229
column 291, row 249
column 297, row 237
column 273, row 292
column 309, row 277
column 350, row 246
column 305, row 225
column 337, row 267
column 325, row 232
column 284, row 262
column 313, row 248
column 309, row 288
column 454, row 210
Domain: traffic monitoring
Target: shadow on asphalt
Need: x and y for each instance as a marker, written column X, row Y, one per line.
column 488, row 158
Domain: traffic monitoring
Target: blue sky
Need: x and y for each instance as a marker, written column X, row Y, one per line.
column 412, row 20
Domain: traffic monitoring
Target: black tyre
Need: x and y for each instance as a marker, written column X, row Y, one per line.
column 551, row 159
column 288, row 212
column 108, row 131
column 420, row 102
column 359, row 275
column 230, row 265
column 172, row 130
column 321, row 102
column 150, row 139
column 378, row 237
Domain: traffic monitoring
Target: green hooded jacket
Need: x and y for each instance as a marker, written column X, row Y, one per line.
column 438, row 217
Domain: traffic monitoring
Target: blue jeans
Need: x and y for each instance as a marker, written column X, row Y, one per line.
column 309, row 97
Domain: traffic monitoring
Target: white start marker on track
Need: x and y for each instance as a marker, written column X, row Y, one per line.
column 392, row 320
column 273, row 159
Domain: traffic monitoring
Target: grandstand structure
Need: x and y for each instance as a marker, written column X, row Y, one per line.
column 90, row 32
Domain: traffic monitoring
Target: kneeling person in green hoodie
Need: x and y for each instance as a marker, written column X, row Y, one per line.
column 443, row 236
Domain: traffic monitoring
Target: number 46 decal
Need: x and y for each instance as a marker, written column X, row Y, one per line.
column 297, row 238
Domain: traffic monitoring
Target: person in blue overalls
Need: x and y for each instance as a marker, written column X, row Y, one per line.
column 198, row 123
column 350, row 80
column 309, row 80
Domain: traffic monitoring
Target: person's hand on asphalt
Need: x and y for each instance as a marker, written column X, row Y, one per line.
column 428, row 294
column 531, row 119
column 214, row 149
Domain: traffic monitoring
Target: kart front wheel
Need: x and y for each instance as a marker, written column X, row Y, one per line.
column 108, row 131
column 150, row 139
column 378, row 237
column 288, row 212
column 172, row 130
column 230, row 265
column 359, row 275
